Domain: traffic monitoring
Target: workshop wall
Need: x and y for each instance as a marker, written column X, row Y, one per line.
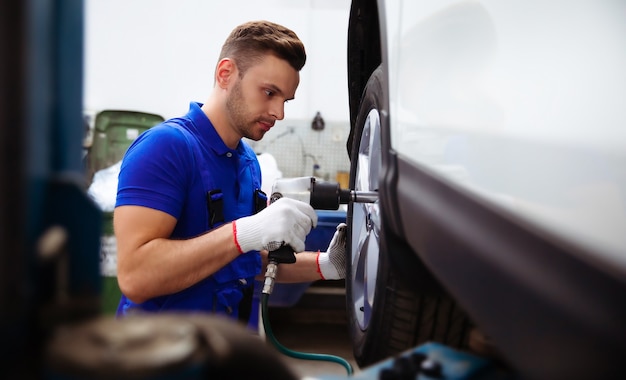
column 302, row 151
column 158, row 55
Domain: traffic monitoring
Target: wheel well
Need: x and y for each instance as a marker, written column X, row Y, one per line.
column 364, row 51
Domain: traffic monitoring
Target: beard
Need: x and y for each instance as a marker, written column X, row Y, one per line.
column 239, row 115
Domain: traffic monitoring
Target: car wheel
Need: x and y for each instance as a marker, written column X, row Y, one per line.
column 386, row 315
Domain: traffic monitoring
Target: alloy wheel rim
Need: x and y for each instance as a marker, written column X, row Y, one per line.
column 366, row 222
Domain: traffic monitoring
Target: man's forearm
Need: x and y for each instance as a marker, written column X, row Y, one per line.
column 303, row 270
column 166, row 266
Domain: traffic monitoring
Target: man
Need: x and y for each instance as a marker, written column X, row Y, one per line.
column 188, row 237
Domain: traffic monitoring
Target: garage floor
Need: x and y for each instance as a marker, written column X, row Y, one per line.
column 316, row 324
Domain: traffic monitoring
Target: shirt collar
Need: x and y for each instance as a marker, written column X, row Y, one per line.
column 206, row 132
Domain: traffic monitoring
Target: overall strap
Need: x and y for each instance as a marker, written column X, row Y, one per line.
column 260, row 198
column 216, row 215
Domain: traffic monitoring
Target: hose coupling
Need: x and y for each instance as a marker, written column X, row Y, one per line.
column 270, row 276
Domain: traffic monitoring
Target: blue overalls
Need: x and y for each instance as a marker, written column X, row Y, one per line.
column 224, row 291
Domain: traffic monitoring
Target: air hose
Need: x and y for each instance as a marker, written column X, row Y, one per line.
column 267, row 289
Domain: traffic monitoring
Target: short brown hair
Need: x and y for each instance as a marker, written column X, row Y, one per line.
column 249, row 42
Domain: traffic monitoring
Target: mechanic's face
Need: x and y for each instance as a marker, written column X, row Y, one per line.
column 258, row 99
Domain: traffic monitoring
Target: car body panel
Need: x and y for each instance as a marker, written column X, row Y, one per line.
column 521, row 103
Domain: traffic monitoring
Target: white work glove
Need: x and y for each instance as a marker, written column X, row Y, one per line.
column 284, row 221
column 332, row 263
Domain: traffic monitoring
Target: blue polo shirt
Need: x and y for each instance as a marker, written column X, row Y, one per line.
column 161, row 170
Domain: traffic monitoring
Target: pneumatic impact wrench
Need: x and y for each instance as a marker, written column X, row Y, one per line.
column 321, row 195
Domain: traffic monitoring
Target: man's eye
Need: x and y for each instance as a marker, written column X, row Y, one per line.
column 269, row 92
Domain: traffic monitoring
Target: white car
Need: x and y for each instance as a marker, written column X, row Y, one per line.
column 495, row 134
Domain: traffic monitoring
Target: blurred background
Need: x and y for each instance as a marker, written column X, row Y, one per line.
column 157, row 56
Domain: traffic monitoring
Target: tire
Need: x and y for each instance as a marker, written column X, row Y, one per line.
column 386, row 316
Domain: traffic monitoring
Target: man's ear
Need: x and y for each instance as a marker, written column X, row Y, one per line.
column 225, row 72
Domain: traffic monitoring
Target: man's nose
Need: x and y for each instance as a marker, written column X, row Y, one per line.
column 277, row 110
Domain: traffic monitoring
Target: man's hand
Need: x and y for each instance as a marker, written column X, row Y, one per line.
column 284, row 221
column 332, row 263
